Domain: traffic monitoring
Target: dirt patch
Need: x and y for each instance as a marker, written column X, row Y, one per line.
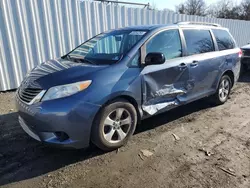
column 210, row 148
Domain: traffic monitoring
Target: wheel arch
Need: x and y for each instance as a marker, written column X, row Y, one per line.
column 123, row 96
column 131, row 100
column 128, row 98
column 230, row 73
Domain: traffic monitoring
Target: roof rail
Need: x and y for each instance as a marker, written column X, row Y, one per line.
column 199, row 23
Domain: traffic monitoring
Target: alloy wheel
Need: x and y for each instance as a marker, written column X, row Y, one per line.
column 117, row 125
column 224, row 89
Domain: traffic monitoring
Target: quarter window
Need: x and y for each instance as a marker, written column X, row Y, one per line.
column 135, row 61
column 224, row 40
column 167, row 42
column 198, row 41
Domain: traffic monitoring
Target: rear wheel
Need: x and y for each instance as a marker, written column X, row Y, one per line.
column 223, row 91
column 114, row 125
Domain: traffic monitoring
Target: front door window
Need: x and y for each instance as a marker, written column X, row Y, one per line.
column 167, row 42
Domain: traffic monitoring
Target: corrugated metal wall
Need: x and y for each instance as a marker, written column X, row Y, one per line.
column 33, row 31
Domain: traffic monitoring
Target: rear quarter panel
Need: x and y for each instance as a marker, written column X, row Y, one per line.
column 230, row 61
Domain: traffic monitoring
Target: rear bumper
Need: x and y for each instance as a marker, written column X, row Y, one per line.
column 70, row 116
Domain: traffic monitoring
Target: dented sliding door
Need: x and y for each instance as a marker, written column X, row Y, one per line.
column 164, row 86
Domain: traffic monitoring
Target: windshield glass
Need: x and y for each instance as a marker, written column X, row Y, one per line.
column 107, row 48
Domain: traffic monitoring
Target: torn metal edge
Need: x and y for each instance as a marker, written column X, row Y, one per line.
column 151, row 107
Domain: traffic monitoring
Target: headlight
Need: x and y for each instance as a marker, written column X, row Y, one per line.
column 65, row 90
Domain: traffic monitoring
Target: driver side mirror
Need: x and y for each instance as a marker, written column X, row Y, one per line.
column 154, row 58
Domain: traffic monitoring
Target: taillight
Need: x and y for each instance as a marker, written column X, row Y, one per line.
column 240, row 53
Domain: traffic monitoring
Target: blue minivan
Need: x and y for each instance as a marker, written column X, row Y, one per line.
column 102, row 89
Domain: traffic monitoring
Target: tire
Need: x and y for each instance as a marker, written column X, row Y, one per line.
column 218, row 97
column 114, row 125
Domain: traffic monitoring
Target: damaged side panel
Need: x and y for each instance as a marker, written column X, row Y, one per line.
column 163, row 87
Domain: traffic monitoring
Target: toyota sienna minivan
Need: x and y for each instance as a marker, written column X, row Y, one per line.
column 101, row 90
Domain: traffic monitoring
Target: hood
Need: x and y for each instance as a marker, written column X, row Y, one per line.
column 246, row 47
column 58, row 72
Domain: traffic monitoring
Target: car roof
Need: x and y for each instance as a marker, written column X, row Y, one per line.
column 197, row 25
column 147, row 27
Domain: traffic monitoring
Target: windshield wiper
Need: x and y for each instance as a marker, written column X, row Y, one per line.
column 66, row 56
column 88, row 61
column 81, row 59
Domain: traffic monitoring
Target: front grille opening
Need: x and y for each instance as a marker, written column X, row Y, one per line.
column 28, row 94
column 61, row 136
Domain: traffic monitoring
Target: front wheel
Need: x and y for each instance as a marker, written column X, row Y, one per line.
column 223, row 91
column 114, row 125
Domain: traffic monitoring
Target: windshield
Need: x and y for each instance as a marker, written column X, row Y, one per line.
column 106, row 48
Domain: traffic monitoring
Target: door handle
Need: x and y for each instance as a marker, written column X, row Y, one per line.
column 194, row 63
column 182, row 66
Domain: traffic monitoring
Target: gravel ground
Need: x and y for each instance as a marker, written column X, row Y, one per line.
column 197, row 145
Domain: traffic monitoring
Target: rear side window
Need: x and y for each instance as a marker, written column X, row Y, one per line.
column 198, row 41
column 224, row 40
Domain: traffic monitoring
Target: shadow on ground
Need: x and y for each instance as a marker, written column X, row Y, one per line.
column 172, row 115
column 21, row 157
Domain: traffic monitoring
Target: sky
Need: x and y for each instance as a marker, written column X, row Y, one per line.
column 170, row 4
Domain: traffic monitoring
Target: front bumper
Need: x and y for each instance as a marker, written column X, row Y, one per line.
column 27, row 129
column 43, row 121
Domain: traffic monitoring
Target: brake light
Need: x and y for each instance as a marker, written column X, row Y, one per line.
column 240, row 53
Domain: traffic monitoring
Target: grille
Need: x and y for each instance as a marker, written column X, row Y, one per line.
column 28, row 94
column 246, row 52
